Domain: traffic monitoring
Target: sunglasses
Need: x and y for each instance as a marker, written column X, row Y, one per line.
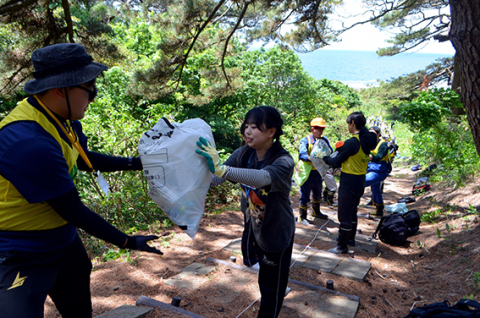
column 92, row 93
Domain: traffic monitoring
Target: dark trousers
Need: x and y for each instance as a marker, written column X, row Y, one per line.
column 273, row 275
column 312, row 185
column 26, row 278
column 349, row 193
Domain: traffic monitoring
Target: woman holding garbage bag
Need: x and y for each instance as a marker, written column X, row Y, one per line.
column 264, row 170
column 354, row 159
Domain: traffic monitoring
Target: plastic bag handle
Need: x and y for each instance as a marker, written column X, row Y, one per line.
column 168, row 123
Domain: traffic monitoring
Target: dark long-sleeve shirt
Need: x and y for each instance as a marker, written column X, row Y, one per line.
column 382, row 151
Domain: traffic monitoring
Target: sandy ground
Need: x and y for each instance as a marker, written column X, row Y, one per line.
column 440, row 263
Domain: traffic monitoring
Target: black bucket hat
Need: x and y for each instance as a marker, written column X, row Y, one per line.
column 62, row 65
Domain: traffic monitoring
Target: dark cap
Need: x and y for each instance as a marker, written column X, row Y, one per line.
column 62, row 65
column 376, row 128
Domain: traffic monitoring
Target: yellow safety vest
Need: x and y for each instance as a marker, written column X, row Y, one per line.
column 16, row 213
column 356, row 164
column 374, row 152
column 311, row 142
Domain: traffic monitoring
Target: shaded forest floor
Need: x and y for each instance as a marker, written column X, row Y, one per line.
column 441, row 262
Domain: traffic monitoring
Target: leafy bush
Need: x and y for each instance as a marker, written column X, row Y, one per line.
column 439, row 136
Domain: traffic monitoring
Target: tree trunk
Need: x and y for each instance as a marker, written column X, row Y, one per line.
column 465, row 35
column 456, row 83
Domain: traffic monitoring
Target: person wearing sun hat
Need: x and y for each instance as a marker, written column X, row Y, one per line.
column 313, row 182
column 42, row 147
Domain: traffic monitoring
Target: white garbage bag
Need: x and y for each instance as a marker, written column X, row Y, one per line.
column 319, row 150
column 397, row 208
column 178, row 178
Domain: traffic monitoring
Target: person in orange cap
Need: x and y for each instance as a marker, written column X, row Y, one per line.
column 313, row 182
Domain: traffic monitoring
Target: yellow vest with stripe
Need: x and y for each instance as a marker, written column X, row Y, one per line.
column 16, row 213
column 311, row 142
column 356, row 164
column 374, row 152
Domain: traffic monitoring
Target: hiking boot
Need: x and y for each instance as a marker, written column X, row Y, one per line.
column 325, row 194
column 316, row 211
column 370, row 204
column 342, row 247
column 330, row 196
column 303, row 215
column 378, row 211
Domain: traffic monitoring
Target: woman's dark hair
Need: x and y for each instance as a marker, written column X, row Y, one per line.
column 358, row 118
column 264, row 117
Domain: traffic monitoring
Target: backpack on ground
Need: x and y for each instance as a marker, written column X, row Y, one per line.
column 395, row 228
column 421, row 185
column 412, row 219
column 463, row 308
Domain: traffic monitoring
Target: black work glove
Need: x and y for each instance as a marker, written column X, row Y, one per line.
column 139, row 243
column 137, row 164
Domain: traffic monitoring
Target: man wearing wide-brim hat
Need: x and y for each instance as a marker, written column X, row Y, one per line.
column 41, row 149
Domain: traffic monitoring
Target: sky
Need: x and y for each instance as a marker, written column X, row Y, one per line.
column 367, row 37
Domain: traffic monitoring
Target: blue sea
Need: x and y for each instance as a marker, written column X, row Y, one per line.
column 360, row 69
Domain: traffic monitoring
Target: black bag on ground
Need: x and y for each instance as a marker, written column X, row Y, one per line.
column 395, row 228
column 406, row 200
column 392, row 230
column 463, row 308
column 412, row 219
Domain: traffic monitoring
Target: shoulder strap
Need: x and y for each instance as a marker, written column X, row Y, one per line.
column 465, row 303
column 374, row 235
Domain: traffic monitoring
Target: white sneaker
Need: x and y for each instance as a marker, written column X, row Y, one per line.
column 305, row 222
column 255, row 267
column 287, row 291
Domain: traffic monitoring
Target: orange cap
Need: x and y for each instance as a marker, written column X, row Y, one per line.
column 318, row 122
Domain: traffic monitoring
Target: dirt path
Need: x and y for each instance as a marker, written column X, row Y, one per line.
column 428, row 269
